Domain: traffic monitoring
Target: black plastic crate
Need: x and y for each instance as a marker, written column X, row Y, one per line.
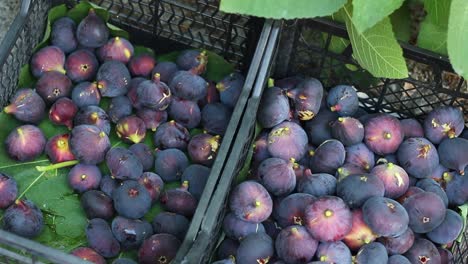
column 302, row 47
column 165, row 26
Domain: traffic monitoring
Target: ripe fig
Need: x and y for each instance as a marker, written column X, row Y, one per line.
column 372, row 253
column 196, row 175
column 185, row 112
column 394, row 178
column 85, row 94
column 334, row 252
column 238, row 229
column 357, row 188
column 212, row 95
column 274, row 108
column 154, row 94
column 453, row 154
column 360, row 234
column 412, row 128
column 328, row 157
column 318, row 185
column 193, row 59
column 361, row 156
column 166, row 69
column 132, row 91
column 179, row 201
column 215, row 118
column 25, row 143
column 328, row 219
column 348, row 130
column 97, row 204
column 58, row 149
column 448, row 230
column 101, row 239
column 319, row 128
column 306, row 98
column 153, row 184
column 116, row 49
column 443, row 122
column 119, row 108
column 277, row 176
column 343, row 100
column 88, row 254
column 383, row 134
column 123, row 164
column 251, row 202
column 62, row 34
column 170, row 164
column 93, row 115
column 295, row 245
column 426, row 211
column 456, row 187
column 50, row 58
column 81, row 66
column 418, row 157
column 131, row 200
column 399, row 244
column 82, row 178
column 26, row 106
column 131, row 233
column 255, row 248
column 230, row 88
column 62, row 112
column 171, row 223
column 89, row 144
column 141, row 65
column 8, row 190
column 287, row 140
column 144, row 154
column 53, row 85
column 131, row 129
column 188, row 85
column 92, row 31
column 292, row 209
column 386, row 217
column 423, row 251
column 23, row 218
column 113, row 79
column 203, row 148
column 159, row 248
column 152, row 118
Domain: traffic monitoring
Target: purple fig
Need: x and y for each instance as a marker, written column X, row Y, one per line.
column 53, row 85
column 154, row 94
column 443, row 122
column 81, row 66
column 50, row 58
column 117, row 49
column 25, row 143
column 383, row 134
column 306, row 97
column 131, row 129
column 27, row 106
column 418, row 157
column 92, row 31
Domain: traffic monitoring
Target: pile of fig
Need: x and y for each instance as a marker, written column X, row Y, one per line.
column 330, row 183
column 96, row 86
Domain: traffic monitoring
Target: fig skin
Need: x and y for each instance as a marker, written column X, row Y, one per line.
column 230, row 89
column 348, row 130
column 89, row 144
column 63, row 34
column 343, row 100
column 26, row 106
column 274, row 108
column 81, row 66
column 443, row 122
column 50, row 58
column 418, row 157
column 23, row 218
column 453, row 153
column 52, row 86
column 383, row 134
column 86, row 94
column 154, row 94
column 117, row 48
column 394, row 178
column 63, row 112
column 92, row 32
column 25, row 143
column 251, row 202
column 8, row 190
column 113, row 79
column 58, row 149
column 141, row 65
column 287, row 140
column 131, row 129
column 306, row 98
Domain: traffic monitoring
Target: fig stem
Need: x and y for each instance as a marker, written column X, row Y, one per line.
column 29, row 187
column 56, row 166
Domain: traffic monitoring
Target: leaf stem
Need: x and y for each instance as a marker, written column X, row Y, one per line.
column 30, row 185
column 57, row 165
column 23, row 164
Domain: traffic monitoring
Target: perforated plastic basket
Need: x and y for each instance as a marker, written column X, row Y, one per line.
column 302, row 47
column 164, row 26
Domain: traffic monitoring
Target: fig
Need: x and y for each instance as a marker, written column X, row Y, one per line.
column 62, row 112
column 26, row 106
column 141, row 65
column 82, row 178
column 426, row 211
column 159, row 248
column 274, row 108
column 97, row 204
column 188, row 85
column 62, row 34
column 58, row 149
column 131, row 129
column 170, row 164
column 203, row 148
column 166, row 69
column 360, row 155
column 131, row 200
column 295, row 245
column 319, row 128
column 251, row 202
column 328, row 219
column 89, row 144
column 394, row 178
column 399, row 244
column 144, row 154
column 357, row 188
column 287, row 140
column 185, row 112
column 453, row 154
column 123, row 164
column 288, row 82
column 318, row 185
column 50, row 58
column 306, row 98
column 52, row 86
column 343, row 100
column 448, row 230
column 386, row 217
column 101, row 239
column 230, row 89
column 423, row 251
column 81, row 66
column 212, row 95
column 348, row 169
column 153, row 184
column 197, row 176
column 171, row 223
column 443, row 122
column 383, row 134
column 215, row 118
column 277, row 176
column 85, row 94
column 418, row 157
column 154, row 94
column 255, row 248
column 131, row 233
column 93, row 115
column 412, row 128
column 372, row 253
column 456, row 188
column 360, row 234
column 116, row 49
column 132, row 91
column 25, row 143
column 328, row 157
column 152, row 118
column 193, row 59
column 92, row 31
column 429, row 185
column 23, row 218
column 179, row 201
column 119, row 108
column 113, row 79
column 238, row 229
column 348, row 130
column 334, row 252
column 88, row 254
column 8, row 190
column 291, row 209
